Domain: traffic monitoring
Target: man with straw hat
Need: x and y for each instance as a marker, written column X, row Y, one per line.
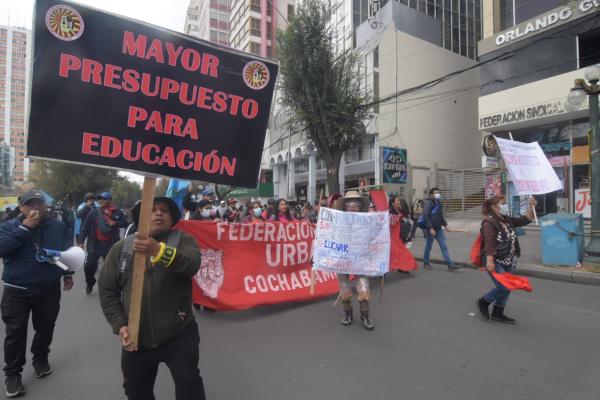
column 354, row 202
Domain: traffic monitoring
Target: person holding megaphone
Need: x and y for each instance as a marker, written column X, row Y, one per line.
column 31, row 285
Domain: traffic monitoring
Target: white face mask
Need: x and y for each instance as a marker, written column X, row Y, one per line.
column 257, row 212
column 437, row 196
column 205, row 213
column 504, row 209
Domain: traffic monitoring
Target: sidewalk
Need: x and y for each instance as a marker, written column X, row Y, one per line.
column 530, row 263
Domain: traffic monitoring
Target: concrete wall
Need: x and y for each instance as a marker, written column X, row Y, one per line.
column 439, row 125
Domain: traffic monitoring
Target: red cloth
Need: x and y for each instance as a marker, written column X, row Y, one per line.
column 513, row 282
column 379, row 199
column 243, row 267
column 400, row 257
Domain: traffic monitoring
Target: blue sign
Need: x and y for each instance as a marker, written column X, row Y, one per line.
column 395, row 165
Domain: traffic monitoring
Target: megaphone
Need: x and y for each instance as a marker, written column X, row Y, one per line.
column 71, row 259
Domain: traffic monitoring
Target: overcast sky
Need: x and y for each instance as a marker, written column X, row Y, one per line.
column 166, row 13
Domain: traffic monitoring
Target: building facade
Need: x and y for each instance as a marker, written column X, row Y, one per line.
column 14, row 75
column 400, row 47
column 254, row 24
column 531, row 54
column 208, row 20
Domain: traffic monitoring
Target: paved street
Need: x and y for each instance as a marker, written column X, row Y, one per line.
column 426, row 345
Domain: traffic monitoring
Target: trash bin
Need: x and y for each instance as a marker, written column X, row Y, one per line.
column 562, row 240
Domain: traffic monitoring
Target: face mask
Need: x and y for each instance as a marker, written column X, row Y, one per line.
column 257, row 212
column 437, row 196
column 206, row 213
column 504, row 209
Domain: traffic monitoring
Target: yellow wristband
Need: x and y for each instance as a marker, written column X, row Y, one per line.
column 160, row 254
column 169, row 256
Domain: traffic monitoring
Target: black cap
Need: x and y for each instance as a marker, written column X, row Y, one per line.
column 89, row 196
column 173, row 208
column 34, row 194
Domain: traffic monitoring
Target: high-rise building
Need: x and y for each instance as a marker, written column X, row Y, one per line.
column 254, row 24
column 14, row 75
column 209, row 20
column 532, row 51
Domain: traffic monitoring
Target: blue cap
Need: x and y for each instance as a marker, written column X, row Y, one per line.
column 105, row 196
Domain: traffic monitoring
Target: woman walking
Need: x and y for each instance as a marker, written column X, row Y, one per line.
column 499, row 252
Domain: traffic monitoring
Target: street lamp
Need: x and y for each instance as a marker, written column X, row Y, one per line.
column 575, row 99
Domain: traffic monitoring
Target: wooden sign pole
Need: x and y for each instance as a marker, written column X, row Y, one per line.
column 139, row 261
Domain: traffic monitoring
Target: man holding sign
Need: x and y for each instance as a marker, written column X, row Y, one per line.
column 349, row 242
column 168, row 332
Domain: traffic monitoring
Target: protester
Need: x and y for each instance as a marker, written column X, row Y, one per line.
column 89, row 204
column 417, row 210
column 255, row 213
column 189, row 201
column 168, row 331
column 500, row 250
column 372, row 208
column 11, row 214
column 306, row 211
column 204, row 211
column 270, row 211
column 31, row 285
column 233, row 215
column 282, row 212
column 399, row 207
column 101, row 229
column 433, row 218
column 354, row 202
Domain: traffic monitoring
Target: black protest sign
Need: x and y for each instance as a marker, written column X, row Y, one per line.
column 116, row 93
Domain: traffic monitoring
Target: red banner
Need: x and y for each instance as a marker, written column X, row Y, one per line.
column 247, row 265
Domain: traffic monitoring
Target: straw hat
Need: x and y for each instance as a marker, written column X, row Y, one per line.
column 352, row 195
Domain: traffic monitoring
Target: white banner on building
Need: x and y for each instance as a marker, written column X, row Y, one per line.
column 529, row 167
column 352, row 243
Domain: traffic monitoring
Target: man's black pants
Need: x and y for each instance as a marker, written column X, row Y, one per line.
column 91, row 266
column 16, row 306
column 181, row 356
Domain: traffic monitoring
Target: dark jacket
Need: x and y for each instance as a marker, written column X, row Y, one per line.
column 84, row 211
column 433, row 214
column 19, row 245
column 96, row 221
column 166, row 298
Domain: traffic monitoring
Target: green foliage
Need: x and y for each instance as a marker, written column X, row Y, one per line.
column 71, row 181
column 320, row 86
column 125, row 193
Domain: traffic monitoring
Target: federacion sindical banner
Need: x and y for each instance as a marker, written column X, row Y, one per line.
column 248, row 265
column 113, row 92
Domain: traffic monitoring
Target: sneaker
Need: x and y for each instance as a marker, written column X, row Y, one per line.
column 427, row 266
column 42, row 369
column 347, row 320
column 88, row 289
column 14, row 386
column 453, row 268
column 367, row 323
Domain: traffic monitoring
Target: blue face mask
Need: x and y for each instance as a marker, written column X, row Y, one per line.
column 257, row 212
column 504, row 209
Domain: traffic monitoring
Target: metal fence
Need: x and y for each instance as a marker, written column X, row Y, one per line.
column 463, row 191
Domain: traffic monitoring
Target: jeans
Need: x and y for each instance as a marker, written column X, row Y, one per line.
column 498, row 295
column 181, row 356
column 16, row 306
column 441, row 239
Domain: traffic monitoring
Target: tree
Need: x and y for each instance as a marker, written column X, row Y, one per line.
column 71, row 181
column 125, row 193
column 321, row 87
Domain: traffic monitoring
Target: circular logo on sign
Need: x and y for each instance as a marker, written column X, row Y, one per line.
column 256, row 75
column 490, row 146
column 64, row 22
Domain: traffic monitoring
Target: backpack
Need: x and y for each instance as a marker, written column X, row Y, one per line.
column 478, row 243
column 405, row 229
column 421, row 221
column 127, row 254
